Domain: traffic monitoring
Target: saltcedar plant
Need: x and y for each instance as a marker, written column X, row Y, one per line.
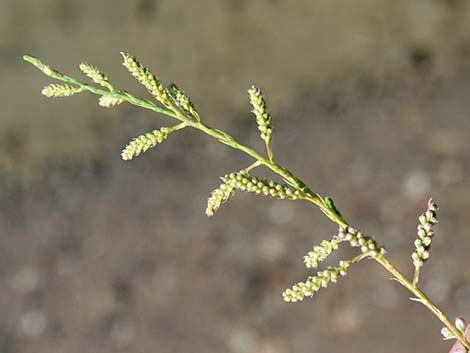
column 172, row 101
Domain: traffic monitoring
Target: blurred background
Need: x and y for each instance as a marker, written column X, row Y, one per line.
column 370, row 102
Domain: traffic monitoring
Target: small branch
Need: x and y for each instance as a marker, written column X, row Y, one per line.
column 422, row 298
column 416, row 276
column 269, row 150
column 360, row 257
column 251, row 167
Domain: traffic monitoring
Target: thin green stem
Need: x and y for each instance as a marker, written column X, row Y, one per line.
column 251, row 167
column 173, row 111
column 416, row 276
column 269, row 149
column 177, row 127
column 360, row 257
column 422, row 298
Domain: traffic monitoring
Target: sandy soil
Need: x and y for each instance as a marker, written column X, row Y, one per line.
column 370, row 102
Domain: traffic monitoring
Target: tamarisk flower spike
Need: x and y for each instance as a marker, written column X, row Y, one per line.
column 366, row 244
column 425, row 234
column 146, row 78
column 60, row 90
column 320, row 252
column 263, row 117
column 96, row 75
column 218, row 196
column 313, row 283
column 182, row 100
column 144, row 142
column 245, row 182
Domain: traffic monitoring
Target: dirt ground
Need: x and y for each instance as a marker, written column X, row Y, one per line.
column 370, row 102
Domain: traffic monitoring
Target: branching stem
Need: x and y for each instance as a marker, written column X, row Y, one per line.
column 269, row 162
column 423, row 298
column 220, row 135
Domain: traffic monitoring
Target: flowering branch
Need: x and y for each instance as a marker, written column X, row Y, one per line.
column 174, row 102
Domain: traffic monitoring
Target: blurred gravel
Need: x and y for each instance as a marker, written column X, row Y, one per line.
column 370, row 102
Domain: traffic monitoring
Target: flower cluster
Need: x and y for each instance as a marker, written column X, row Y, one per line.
column 182, row 101
column 425, row 233
column 357, row 239
column 60, row 90
column 96, row 75
column 109, row 102
column 245, row 182
column 320, row 252
column 313, row 283
column 263, row 117
column 177, row 104
column 143, row 142
column 146, row 78
column 218, row 196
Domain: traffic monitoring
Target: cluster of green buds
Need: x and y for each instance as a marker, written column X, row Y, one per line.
column 320, row 252
column 182, row 100
column 313, row 283
column 425, row 233
column 218, row 197
column 144, row 142
column 367, row 244
column 146, row 78
column 245, row 182
column 96, row 75
column 55, row 90
column 263, row 117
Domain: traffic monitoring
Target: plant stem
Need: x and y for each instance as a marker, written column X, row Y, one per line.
column 185, row 120
column 416, row 276
column 421, row 297
column 221, row 136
